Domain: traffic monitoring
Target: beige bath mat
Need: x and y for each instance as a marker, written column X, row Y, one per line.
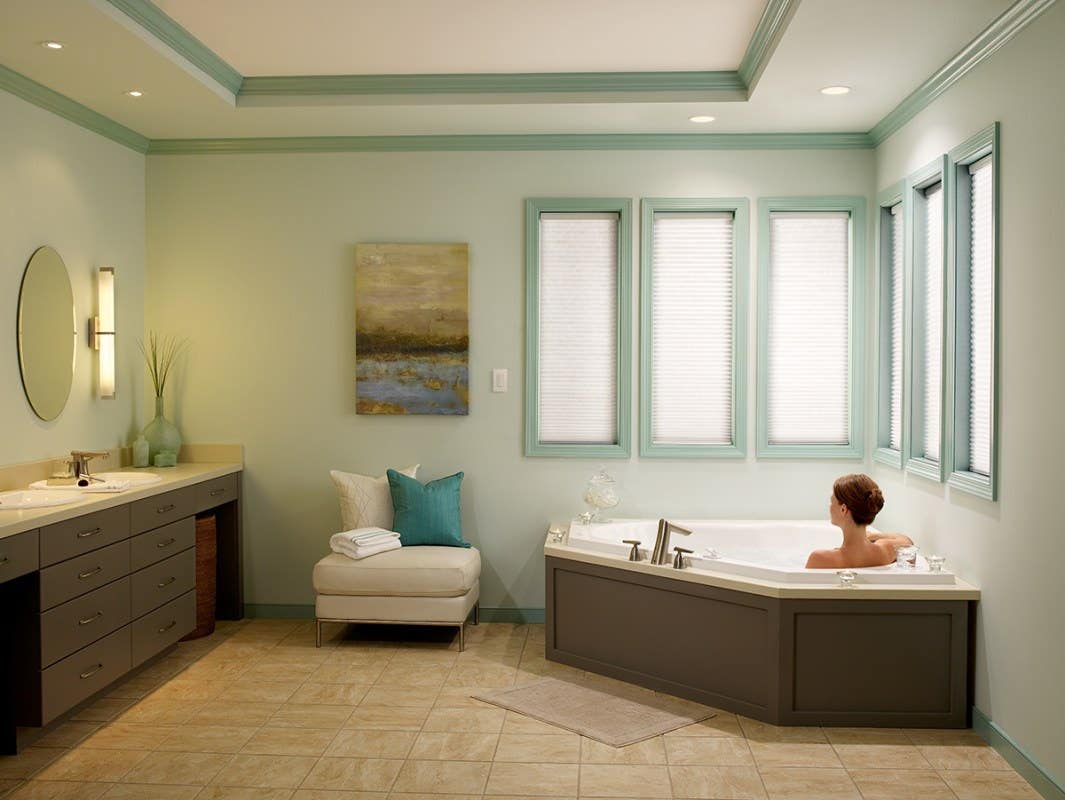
column 613, row 716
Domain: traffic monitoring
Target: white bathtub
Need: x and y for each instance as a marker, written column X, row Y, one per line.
column 766, row 550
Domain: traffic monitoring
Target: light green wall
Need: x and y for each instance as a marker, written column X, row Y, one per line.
column 84, row 195
column 1013, row 550
column 252, row 256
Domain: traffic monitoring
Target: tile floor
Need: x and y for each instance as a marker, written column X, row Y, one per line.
column 255, row 711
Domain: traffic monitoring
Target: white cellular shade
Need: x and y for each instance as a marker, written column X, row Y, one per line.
column 578, row 328
column 809, row 340
column 896, row 300
column 931, row 310
column 981, row 314
column 691, row 296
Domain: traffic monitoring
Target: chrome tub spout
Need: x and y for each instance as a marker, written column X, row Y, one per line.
column 660, row 554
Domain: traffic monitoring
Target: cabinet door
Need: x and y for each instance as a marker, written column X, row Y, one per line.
column 80, row 535
column 154, row 512
column 160, row 583
column 80, row 622
column 81, row 575
column 18, row 555
column 157, row 630
column 153, row 546
column 77, row 677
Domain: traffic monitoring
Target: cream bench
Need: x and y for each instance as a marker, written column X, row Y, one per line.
column 421, row 585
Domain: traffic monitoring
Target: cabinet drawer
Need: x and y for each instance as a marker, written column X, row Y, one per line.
column 73, row 578
column 76, row 536
column 162, row 582
column 77, row 677
column 153, row 546
column 18, row 555
column 153, row 512
column 216, row 492
column 82, row 621
column 157, row 630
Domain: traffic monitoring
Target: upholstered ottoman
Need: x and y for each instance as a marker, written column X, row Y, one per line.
column 420, row 585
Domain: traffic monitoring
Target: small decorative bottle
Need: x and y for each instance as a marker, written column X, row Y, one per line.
column 140, row 452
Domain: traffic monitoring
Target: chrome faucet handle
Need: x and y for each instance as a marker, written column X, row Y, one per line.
column 79, row 463
column 634, row 554
column 678, row 559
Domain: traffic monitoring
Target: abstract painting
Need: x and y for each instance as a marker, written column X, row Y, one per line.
column 412, row 328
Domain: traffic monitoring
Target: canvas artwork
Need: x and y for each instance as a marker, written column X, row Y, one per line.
column 412, row 328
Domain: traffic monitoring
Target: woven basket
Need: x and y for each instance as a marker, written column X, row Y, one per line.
column 206, row 556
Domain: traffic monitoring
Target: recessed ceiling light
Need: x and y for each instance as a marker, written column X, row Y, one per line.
column 52, row 45
column 701, row 118
column 836, row 90
column 135, row 93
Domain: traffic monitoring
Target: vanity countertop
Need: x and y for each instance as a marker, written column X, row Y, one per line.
column 184, row 474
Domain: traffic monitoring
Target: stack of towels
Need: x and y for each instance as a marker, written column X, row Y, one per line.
column 363, row 542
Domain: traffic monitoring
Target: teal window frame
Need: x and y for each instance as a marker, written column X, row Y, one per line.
column 740, row 209
column 887, row 199
column 958, row 160
column 533, row 208
column 856, row 207
column 934, row 172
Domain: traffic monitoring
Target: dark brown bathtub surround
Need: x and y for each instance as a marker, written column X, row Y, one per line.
column 788, row 661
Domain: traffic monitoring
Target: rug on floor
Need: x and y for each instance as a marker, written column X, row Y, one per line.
column 614, row 715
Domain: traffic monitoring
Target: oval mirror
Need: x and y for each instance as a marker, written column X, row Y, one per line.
column 47, row 333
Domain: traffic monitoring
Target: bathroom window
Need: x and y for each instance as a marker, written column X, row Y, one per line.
column 975, row 269
column 890, row 354
column 578, row 301
column 810, row 327
column 693, row 328
column 926, row 368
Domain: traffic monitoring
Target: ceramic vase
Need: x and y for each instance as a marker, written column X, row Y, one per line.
column 161, row 433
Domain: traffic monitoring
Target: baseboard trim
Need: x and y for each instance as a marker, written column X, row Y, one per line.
column 281, row 611
column 1026, row 766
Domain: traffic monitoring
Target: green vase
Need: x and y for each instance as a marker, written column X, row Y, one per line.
column 161, row 433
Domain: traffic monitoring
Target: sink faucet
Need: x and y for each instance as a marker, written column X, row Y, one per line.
column 79, row 463
column 660, row 555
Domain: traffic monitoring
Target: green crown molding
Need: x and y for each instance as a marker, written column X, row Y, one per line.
column 71, row 110
column 1007, row 25
column 766, row 37
column 150, row 18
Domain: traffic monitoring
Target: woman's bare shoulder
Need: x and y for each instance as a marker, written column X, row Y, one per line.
column 824, row 559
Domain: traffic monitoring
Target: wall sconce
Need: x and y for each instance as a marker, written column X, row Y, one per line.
column 102, row 331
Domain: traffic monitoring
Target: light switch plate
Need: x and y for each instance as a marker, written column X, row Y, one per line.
column 499, row 380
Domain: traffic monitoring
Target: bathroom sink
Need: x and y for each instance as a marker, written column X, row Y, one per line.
column 25, row 499
column 130, row 479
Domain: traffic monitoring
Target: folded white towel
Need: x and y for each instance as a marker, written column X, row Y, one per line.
column 362, row 537
column 364, row 551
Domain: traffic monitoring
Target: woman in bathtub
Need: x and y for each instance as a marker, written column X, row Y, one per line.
column 856, row 500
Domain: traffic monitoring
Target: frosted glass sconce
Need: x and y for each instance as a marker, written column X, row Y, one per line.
column 102, row 331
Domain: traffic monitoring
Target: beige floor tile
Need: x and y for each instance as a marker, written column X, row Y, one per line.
column 866, row 736
column 756, row 731
column 289, row 742
column 539, row 748
column 262, row 692
column 465, row 720
column 335, row 794
column 384, row 718
column 486, row 677
column 268, row 772
column 143, row 791
column 191, row 690
column 624, row 780
column 809, row 784
column 58, row 790
column 722, row 724
column 8, row 785
column 720, row 783
column 68, row 734
column 279, row 673
column 371, row 744
column 552, row 780
column 128, row 736
column 136, row 688
column 103, row 710
column 794, row 754
column 164, row 669
column 966, row 757
column 649, row 751
column 900, row 784
column 460, row 697
column 442, row 777
column 418, row 677
column 373, row 660
column 519, row 723
column 946, row 738
column 712, row 751
column 330, row 672
column 424, row 658
column 28, row 762
column 425, row 796
column 454, row 746
column 186, row 769
column 205, row 670
column 334, row 694
column 207, row 739
column 86, row 764
column 225, row 712
column 357, row 774
column 988, row 785
column 243, row 793
column 402, row 697
column 880, row 756
column 310, row 716
column 160, row 712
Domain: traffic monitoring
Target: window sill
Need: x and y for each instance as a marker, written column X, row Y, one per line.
column 973, row 483
column 539, row 449
column 708, row 451
column 827, row 451
column 933, row 470
column 885, row 455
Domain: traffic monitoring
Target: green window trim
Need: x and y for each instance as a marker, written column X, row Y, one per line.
column 533, row 208
column 933, row 172
column 883, row 453
column 740, row 208
column 983, row 143
column 855, row 448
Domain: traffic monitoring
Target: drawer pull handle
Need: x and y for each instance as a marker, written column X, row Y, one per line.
column 217, row 492
column 91, row 671
column 165, row 543
column 168, row 626
column 88, row 533
column 167, row 582
column 89, row 573
column 93, row 618
column 166, row 508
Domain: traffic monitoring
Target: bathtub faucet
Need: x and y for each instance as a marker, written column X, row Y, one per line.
column 660, row 555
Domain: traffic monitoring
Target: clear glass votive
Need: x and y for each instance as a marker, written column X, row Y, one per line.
column 935, row 563
column 906, row 556
column 846, row 578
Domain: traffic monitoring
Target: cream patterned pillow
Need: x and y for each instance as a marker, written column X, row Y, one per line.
column 366, row 502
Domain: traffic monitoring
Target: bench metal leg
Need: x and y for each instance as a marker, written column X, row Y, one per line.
column 477, row 613
column 462, row 637
column 317, row 633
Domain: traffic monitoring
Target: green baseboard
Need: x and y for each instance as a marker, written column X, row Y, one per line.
column 280, row 611
column 1026, row 766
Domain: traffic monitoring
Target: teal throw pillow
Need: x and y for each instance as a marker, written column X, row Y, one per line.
column 427, row 513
